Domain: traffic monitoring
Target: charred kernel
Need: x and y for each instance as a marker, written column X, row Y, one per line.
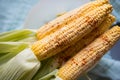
column 68, row 17
column 64, row 39
column 86, row 59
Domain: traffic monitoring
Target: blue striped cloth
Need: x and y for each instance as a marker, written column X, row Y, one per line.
column 13, row 14
column 116, row 10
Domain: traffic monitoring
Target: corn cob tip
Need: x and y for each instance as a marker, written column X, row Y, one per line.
column 103, row 1
column 108, row 7
column 111, row 18
column 116, row 28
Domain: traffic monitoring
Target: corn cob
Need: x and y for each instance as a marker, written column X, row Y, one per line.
column 70, row 34
column 89, row 56
column 58, row 60
column 67, row 18
column 63, row 56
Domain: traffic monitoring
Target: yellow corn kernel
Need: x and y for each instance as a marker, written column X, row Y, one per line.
column 89, row 56
column 71, row 33
column 67, row 18
column 63, row 56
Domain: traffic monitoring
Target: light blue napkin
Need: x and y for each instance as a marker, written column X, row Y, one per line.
column 13, row 13
column 107, row 69
column 116, row 10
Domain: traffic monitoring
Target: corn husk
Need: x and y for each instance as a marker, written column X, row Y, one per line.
column 21, row 67
column 17, row 61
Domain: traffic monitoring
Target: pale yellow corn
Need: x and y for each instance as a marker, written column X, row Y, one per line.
column 71, row 33
column 89, row 56
column 63, row 56
column 67, row 18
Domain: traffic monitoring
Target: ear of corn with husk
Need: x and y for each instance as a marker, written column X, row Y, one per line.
column 60, row 40
column 46, row 37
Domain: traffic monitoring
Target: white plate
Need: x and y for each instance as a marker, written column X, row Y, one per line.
column 47, row 10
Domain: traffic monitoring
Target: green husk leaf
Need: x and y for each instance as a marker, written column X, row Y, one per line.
column 12, row 42
column 17, row 35
column 50, row 76
column 15, row 62
column 10, row 49
column 47, row 66
column 21, row 67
